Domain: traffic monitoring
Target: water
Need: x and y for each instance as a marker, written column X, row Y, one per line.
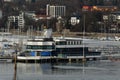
column 62, row 71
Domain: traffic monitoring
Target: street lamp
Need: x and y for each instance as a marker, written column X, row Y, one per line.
column 84, row 22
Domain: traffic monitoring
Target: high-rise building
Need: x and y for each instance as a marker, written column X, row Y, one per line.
column 17, row 21
column 21, row 21
column 55, row 10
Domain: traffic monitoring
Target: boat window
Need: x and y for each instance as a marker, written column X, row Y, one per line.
column 40, row 47
column 68, row 42
column 61, row 43
column 76, row 42
column 28, row 47
column 73, row 42
column 79, row 42
column 35, row 47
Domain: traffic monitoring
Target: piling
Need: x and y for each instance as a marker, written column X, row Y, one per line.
column 15, row 67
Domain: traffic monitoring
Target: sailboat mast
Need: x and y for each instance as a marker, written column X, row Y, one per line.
column 83, row 37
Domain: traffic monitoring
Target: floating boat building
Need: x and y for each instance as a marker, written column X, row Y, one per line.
column 57, row 48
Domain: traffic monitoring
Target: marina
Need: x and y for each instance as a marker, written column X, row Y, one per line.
column 57, row 49
column 51, row 58
column 59, row 39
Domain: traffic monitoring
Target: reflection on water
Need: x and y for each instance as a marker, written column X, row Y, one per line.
column 34, row 68
column 62, row 71
column 6, row 71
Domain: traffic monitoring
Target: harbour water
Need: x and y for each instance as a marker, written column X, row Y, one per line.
column 93, row 70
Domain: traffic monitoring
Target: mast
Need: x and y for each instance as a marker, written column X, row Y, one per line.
column 83, row 37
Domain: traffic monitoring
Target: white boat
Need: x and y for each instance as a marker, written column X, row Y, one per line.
column 5, row 60
column 56, row 47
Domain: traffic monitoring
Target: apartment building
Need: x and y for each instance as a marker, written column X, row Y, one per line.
column 17, row 21
column 56, row 10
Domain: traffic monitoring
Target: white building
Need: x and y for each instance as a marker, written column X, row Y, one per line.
column 55, row 11
column 74, row 20
column 21, row 21
column 17, row 20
